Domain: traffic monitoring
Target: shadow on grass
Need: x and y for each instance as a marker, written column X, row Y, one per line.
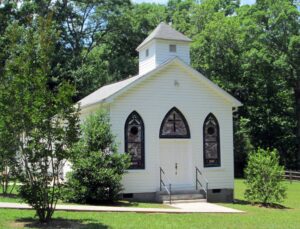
column 10, row 196
column 124, row 204
column 245, row 202
column 241, row 202
column 119, row 203
column 58, row 223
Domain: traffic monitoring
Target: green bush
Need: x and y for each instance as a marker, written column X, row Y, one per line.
column 264, row 177
column 97, row 167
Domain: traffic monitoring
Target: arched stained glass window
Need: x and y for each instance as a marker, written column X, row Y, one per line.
column 135, row 140
column 174, row 125
column 211, row 142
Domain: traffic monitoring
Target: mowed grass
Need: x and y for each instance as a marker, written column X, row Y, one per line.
column 14, row 198
column 254, row 216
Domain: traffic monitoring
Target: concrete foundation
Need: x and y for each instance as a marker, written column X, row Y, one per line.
column 146, row 196
column 213, row 196
column 220, row 195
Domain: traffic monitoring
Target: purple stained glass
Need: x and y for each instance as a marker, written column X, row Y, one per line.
column 134, row 140
column 211, row 141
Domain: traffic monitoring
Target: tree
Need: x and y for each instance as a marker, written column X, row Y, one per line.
column 86, row 26
column 217, row 52
column 44, row 122
column 115, row 57
column 8, row 165
column 97, row 167
column 134, row 25
column 264, row 177
column 267, row 28
column 179, row 14
column 243, row 145
column 246, row 52
column 8, row 162
column 83, row 25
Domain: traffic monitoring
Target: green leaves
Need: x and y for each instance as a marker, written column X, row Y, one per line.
column 252, row 54
column 97, row 167
column 43, row 122
column 264, row 177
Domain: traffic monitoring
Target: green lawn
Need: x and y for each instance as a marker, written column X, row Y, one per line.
column 122, row 203
column 255, row 217
column 14, row 198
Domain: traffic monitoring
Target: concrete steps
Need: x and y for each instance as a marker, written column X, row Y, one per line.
column 185, row 201
column 180, row 192
column 181, row 196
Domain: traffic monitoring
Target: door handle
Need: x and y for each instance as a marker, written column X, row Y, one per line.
column 176, row 167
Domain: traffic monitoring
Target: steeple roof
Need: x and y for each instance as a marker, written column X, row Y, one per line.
column 164, row 32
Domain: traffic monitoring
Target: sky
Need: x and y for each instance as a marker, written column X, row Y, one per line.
column 165, row 1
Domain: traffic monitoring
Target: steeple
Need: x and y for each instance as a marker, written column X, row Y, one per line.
column 162, row 44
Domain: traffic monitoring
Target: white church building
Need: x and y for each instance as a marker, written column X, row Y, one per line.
column 174, row 122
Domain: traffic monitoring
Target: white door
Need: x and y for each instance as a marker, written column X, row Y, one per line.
column 175, row 160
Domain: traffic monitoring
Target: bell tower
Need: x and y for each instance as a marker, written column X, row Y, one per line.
column 161, row 45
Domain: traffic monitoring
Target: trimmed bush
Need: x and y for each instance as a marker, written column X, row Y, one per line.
column 97, row 167
column 264, row 177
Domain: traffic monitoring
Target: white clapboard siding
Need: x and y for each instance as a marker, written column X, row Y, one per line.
column 147, row 63
column 163, row 53
column 159, row 53
column 152, row 99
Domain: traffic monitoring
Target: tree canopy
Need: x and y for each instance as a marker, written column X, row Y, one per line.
column 252, row 51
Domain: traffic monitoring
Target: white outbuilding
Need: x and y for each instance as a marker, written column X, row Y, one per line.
column 174, row 122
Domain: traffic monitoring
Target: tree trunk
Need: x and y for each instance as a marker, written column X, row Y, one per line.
column 297, row 98
column 5, row 179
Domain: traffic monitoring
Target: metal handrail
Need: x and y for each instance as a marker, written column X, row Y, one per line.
column 163, row 185
column 199, row 183
column 167, row 178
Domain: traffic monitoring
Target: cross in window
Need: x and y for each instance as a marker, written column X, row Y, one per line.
column 174, row 120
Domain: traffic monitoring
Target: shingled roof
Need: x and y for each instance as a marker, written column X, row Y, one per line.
column 164, row 32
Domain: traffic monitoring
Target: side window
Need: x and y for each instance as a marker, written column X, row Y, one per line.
column 135, row 140
column 211, row 142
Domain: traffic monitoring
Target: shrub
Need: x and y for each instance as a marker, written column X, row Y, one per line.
column 97, row 167
column 264, row 177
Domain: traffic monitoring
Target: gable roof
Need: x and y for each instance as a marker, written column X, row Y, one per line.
column 105, row 92
column 164, row 32
column 109, row 92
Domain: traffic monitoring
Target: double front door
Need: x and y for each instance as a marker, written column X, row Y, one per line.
column 176, row 161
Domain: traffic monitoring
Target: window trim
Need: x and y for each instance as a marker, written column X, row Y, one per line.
column 142, row 139
column 187, row 136
column 218, row 164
